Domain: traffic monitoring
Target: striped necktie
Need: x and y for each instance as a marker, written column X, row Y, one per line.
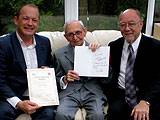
column 130, row 88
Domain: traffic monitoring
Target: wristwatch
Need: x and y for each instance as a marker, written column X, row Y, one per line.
column 147, row 103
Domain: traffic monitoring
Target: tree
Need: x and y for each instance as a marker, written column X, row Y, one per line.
column 10, row 7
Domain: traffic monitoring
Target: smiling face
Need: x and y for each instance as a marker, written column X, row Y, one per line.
column 27, row 21
column 130, row 25
column 75, row 33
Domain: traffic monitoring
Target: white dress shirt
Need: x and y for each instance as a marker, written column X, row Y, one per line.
column 124, row 57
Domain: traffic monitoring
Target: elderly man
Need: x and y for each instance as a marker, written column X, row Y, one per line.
column 77, row 92
column 135, row 88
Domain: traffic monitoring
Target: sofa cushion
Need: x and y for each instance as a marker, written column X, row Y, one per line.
column 23, row 117
column 102, row 37
column 56, row 38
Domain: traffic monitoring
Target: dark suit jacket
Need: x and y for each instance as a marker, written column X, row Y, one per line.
column 146, row 67
column 64, row 61
column 13, row 78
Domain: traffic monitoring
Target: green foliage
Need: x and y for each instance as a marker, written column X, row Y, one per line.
column 8, row 8
column 52, row 7
column 52, row 13
column 141, row 5
column 47, row 23
column 51, row 23
column 55, row 23
column 97, row 22
column 47, row 7
column 13, row 5
column 157, row 11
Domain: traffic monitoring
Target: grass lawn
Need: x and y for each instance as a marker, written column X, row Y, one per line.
column 55, row 23
column 95, row 22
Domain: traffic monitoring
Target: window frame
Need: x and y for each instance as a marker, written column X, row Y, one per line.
column 71, row 13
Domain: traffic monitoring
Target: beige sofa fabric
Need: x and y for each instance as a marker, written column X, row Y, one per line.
column 23, row 117
column 156, row 32
column 105, row 36
column 102, row 37
column 58, row 40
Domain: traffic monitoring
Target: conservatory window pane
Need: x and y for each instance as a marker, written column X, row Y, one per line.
column 103, row 14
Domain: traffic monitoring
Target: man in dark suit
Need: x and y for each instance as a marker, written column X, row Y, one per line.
column 146, row 72
column 18, row 51
column 77, row 92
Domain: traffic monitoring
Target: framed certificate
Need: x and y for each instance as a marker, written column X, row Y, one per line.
column 42, row 86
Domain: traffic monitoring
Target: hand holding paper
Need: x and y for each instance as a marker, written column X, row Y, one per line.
column 42, row 86
column 93, row 64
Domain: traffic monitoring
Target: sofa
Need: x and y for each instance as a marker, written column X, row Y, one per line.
column 156, row 31
column 58, row 40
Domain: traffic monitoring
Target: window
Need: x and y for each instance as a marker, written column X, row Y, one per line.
column 103, row 14
column 51, row 14
column 157, row 11
column 156, row 27
column 95, row 14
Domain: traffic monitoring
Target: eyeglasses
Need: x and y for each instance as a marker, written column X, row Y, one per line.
column 129, row 24
column 71, row 34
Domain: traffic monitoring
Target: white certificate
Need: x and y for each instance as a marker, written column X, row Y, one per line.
column 42, row 86
column 93, row 64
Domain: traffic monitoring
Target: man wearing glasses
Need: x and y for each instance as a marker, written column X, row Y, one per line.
column 77, row 92
column 134, row 93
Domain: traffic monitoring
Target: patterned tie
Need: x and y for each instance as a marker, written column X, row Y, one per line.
column 130, row 91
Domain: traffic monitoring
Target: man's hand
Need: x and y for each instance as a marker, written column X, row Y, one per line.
column 94, row 46
column 71, row 76
column 141, row 111
column 27, row 106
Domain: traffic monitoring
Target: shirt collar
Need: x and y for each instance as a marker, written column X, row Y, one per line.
column 84, row 44
column 22, row 42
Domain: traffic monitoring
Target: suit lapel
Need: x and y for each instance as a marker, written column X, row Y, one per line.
column 119, row 50
column 141, row 48
column 69, row 53
column 39, row 52
column 18, row 51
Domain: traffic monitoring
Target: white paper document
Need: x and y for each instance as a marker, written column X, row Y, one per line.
column 42, row 86
column 92, row 64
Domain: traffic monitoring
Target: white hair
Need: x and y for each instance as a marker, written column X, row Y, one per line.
column 69, row 22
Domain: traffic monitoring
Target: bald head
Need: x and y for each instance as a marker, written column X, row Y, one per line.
column 130, row 24
column 131, row 11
